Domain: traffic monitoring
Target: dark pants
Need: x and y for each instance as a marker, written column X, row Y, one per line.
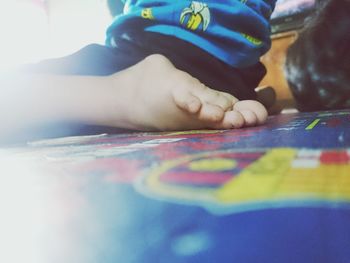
column 134, row 47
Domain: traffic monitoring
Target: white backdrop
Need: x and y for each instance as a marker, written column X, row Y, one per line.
column 30, row 33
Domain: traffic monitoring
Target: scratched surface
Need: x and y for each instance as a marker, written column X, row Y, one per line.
column 276, row 193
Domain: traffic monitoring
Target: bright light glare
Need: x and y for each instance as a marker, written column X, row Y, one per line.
column 75, row 24
column 22, row 220
column 29, row 35
column 24, row 33
column 43, row 212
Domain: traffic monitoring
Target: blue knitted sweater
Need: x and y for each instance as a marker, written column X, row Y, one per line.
column 235, row 31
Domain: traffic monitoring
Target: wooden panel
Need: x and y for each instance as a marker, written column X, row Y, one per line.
column 274, row 61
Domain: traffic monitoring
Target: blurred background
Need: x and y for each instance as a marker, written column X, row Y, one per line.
column 32, row 30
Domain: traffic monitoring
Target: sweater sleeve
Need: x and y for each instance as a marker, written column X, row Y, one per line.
column 235, row 31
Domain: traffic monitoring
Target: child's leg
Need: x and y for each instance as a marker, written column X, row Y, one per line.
column 157, row 96
column 150, row 95
column 154, row 87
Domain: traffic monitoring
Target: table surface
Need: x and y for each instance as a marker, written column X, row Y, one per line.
column 275, row 193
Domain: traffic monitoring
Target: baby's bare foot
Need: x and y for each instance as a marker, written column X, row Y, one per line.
column 253, row 112
column 157, row 96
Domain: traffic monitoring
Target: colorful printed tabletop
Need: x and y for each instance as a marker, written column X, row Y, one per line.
column 275, row 193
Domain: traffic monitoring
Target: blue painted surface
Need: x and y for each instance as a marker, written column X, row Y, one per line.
column 94, row 215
